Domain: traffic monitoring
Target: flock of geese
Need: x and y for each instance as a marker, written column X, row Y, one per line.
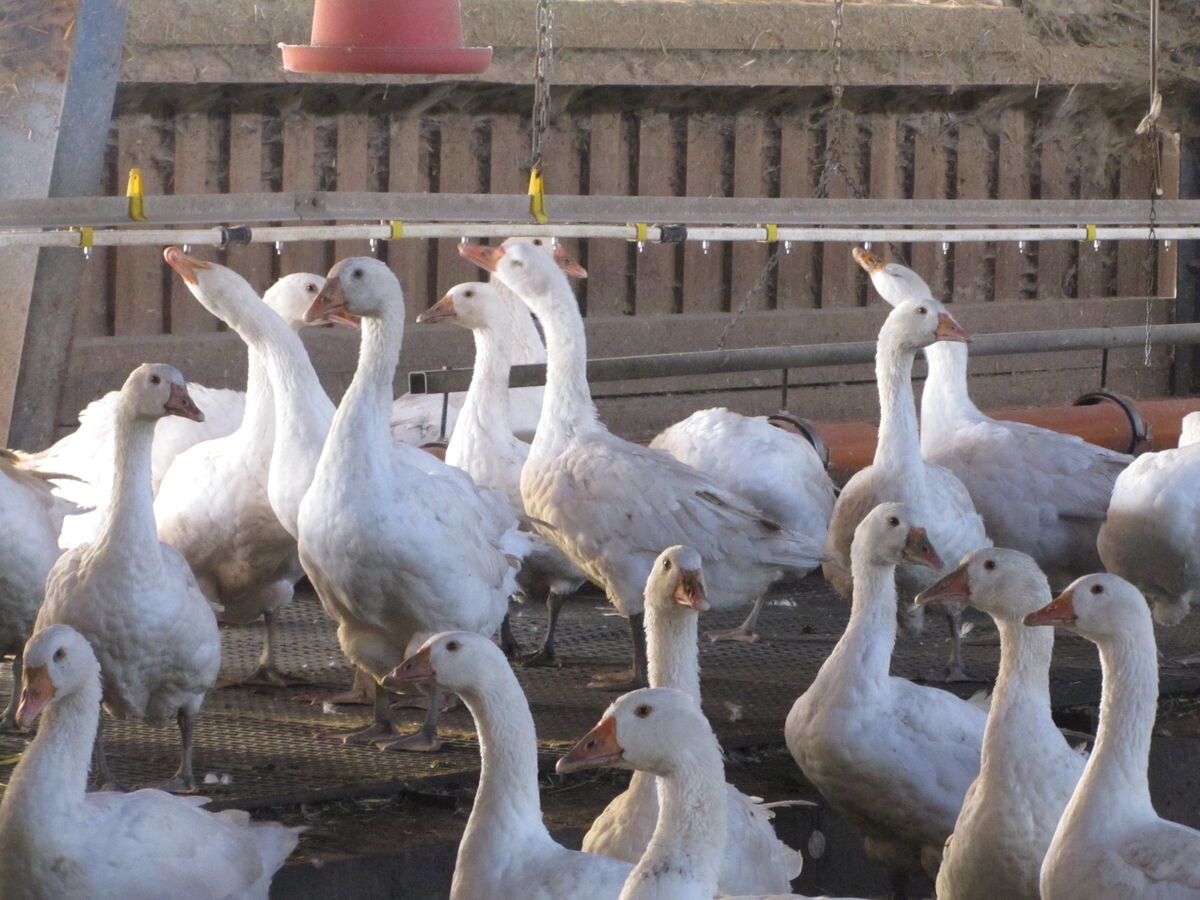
column 174, row 507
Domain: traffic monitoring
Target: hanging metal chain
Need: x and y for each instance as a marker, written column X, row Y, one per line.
column 540, row 122
column 1149, row 127
column 839, row 119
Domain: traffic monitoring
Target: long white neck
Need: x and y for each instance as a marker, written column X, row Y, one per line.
column 257, row 428
column 525, row 341
column 129, row 520
column 683, row 859
column 1021, row 700
column 484, row 421
column 567, row 406
column 507, row 801
column 945, row 400
column 1116, row 773
column 865, row 648
column 361, row 422
column 899, row 445
column 49, row 782
column 671, row 647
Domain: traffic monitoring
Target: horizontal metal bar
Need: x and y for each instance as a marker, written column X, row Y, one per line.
column 313, row 206
column 755, row 359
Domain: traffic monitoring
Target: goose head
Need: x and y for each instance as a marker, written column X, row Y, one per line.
column 1099, row 607
column 564, row 260
column 58, row 662
column 473, row 304
column 359, row 286
column 292, row 295
column 459, row 661
column 915, row 324
column 650, row 730
column 895, row 283
column 523, row 268
column 155, row 390
column 1006, row 584
column 677, row 580
column 889, row 535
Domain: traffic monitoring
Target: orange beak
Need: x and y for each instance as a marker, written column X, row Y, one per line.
column 1059, row 611
column 417, row 669
column 917, row 549
column 867, row 260
column 952, row 588
column 949, row 330
column 331, row 302
column 689, row 591
column 37, row 691
column 180, row 404
column 598, row 747
column 185, row 265
column 568, row 263
column 484, row 257
column 443, row 309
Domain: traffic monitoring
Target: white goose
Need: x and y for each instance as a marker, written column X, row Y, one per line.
column 134, row 597
column 1013, row 807
column 484, row 446
column 787, row 481
column 661, row 731
column 397, row 544
column 212, row 506
column 1152, row 534
column 56, row 840
column 31, row 517
column 417, row 418
column 610, row 505
column 1038, row 491
column 935, row 496
column 1110, row 842
column 892, row 757
column 756, row 861
column 506, row 850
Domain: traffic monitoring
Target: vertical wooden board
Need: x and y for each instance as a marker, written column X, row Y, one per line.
column 797, row 276
column 1013, row 182
column 1090, row 269
column 887, row 180
column 1167, row 275
column 704, row 277
column 748, row 258
column 1054, row 257
column 92, row 316
column 841, row 276
column 459, row 168
column 408, row 173
column 1135, row 264
column 353, row 170
column 971, row 282
column 561, row 166
column 608, row 259
column 300, row 174
column 656, row 263
column 509, row 162
column 929, row 183
column 252, row 261
column 191, row 168
column 139, row 270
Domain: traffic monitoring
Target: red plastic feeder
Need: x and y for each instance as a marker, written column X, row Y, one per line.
column 403, row 37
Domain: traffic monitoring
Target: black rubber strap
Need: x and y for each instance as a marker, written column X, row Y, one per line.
column 1138, row 429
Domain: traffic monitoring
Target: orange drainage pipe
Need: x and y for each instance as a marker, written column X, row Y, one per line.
column 852, row 444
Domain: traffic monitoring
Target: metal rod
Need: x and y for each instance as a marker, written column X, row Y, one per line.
column 715, row 362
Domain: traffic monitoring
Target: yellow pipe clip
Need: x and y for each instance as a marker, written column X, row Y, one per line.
column 133, row 190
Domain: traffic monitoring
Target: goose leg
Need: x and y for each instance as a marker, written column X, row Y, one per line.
column 384, row 726
column 744, row 632
column 508, row 641
column 634, row 677
column 9, row 722
column 425, row 740
column 955, row 670
column 545, row 654
column 108, row 781
column 267, row 674
column 184, row 781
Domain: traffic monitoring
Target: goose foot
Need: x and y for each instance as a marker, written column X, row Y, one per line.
column 418, row 742
column 543, row 658
column 956, row 674
column 624, row 681
column 270, row 676
column 180, row 784
column 376, row 731
column 8, row 725
column 741, row 633
column 361, row 693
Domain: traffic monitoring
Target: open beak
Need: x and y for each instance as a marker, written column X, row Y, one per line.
column 1059, row 611
column 689, row 591
column 443, row 309
column 952, row 588
column 598, row 747
column 483, row 256
column 867, row 260
column 417, row 669
column 568, row 263
column 949, row 330
column 344, row 319
column 329, row 303
column 185, row 265
column 37, row 691
column 917, row 549
column 180, row 404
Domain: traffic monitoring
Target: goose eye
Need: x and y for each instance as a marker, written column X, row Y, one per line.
column 311, row 288
column 921, row 310
column 642, row 712
column 453, row 646
column 666, row 565
column 1097, row 589
column 357, row 273
column 60, row 654
column 469, row 293
column 893, row 521
column 989, row 564
column 154, row 379
column 537, row 242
